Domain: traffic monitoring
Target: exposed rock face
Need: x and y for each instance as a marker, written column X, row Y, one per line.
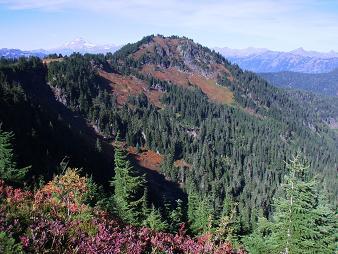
column 182, row 54
column 59, row 95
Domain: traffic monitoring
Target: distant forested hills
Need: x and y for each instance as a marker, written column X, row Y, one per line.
column 320, row 83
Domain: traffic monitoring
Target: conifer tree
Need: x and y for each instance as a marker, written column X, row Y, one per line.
column 260, row 241
column 129, row 196
column 98, row 145
column 229, row 225
column 301, row 222
column 8, row 168
column 200, row 214
column 176, row 216
column 168, row 164
column 298, row 224
column 154, row 220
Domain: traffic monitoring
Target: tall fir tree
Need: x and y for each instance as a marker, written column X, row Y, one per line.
column 98, row 145
column 228, row 226
column 176, row 216
column 8, row 167
column 129, row 196
column 200, row 214
column 301, row 223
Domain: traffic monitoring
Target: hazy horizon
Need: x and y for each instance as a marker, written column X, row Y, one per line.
column 275, row 25
column 216, row 47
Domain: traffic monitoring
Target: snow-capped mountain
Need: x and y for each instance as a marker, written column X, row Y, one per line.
column 77, row 45
column 298, row 60
column 322, row 55
column 83, row 46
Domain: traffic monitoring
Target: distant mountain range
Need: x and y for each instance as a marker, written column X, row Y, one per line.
column 82, row 46
column 253, row 59
column 77, row 45
column 298, row 60
column 16, row 53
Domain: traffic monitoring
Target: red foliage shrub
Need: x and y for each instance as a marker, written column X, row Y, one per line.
column 54, row 219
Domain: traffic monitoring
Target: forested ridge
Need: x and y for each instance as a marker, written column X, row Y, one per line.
column 154, row 95
column 320, row 83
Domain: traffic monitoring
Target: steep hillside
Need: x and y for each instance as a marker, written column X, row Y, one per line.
column 55, row 133
column 222, row 134
column 321, row 83
column 45, row 131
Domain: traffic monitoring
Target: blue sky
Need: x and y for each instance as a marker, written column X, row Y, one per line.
column 274, row 24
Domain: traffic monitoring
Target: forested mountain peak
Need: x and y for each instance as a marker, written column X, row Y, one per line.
column 181, row 61
column 174, row 51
